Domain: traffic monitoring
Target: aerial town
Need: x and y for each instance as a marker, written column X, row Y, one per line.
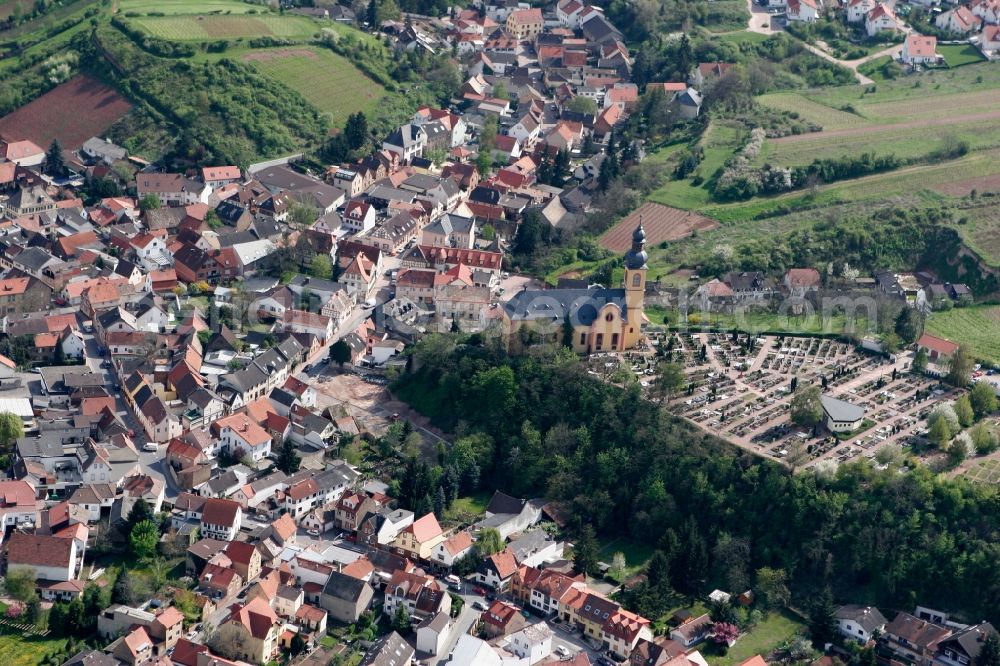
column 397, row 333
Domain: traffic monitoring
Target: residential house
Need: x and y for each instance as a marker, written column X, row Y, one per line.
column 691, row 633
column 938, row 350
column 525, row 23
column 251, row 631
column 432, row 634
column 498, row 570
column 881, row 19
column 419, row 539
column 407, row 141
column 920, row 50
column 623, row 630
column 502, row 619
column 54, row 560
column 221, row 519
column 452, row 549
column 805, row 11
column 345, row 598
column 859, row 623
column 219, row 176
column 422, row 595
column 858, row 10
column 172, row 189
column 959, row 21
column 914, row 640
column 964, row 646
column 390, row 650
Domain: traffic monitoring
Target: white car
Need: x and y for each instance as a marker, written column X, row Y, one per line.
column 562, row 651
column 150, row 446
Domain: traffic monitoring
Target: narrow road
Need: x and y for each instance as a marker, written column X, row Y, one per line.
column 760, row 20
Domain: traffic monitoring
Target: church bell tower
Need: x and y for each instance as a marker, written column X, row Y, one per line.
column 635, row 286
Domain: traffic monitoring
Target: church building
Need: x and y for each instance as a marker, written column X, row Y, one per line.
column 602, row 320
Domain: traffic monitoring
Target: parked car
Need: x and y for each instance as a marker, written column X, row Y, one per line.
column 478, row 605
column 480, row 590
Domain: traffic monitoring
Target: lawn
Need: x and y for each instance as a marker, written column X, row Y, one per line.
column 636, row 554
column 327, row 80
column 772, row 632
column 977, row 326
column 957, row 55
column 468, row 508
column 188, row 7
column 827, row 117
column 202, row 28
column 19, row 650
column 719, row 143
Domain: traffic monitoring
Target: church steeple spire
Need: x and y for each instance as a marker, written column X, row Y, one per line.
column 636, row 257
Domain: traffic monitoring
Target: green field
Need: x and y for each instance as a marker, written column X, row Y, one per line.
column 202, row 28
column 189, row 7
column 889, row 120
column 19, row 650
column 636, row 554
column 773, row 631
column 957, row 55
column 977, row 326
column 719, row 143
column 981, row 231
column 327, row 80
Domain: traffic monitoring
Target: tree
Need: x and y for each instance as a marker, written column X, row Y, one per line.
column 989, row 653
column 983, row 400
column 356, row 130
column 806, row 408
column 123, row 591
column 772, row 588
column 724, row 633
column 920, row 362
column 143, row 539
column 149, row 202
column 371, row 14
column 321, row 267
column 340, row 353
column 288, row 458
column 959, row 367
column 983, row 438
column 670, row 379
column 303, row 215
column 11, row 429
column 55, row 165
column 585, row 551
column 489, row 542
column 963, row 410
column 939, row 433
column 618, row 564
column 822, row 619
column 33, row 610
column 908, row 325
column 20, row 583
column 139, row 512
column 401, row 620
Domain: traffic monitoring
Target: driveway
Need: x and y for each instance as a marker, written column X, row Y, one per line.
column 760, row 19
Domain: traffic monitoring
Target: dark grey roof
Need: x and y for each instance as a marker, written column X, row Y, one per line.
column 970, row 640
column 421, row 181
column 283, row 397
column 347, row 588
column 841, row 410
column 503, row 503
column 582, row 305
column 529, row 543
column 390, row 650
column 34, row 259
column 436, row 623
column 405, row 136
column 868, row 617
column 91, row 658
column 451, row 223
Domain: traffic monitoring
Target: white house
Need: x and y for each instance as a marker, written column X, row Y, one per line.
column 960, row 21
column 221, row 519
column 859, row 622
column 359, row 217
column 453, row 548
column 239, row 436
column 432, row 634
column 150, row 251
column 881, row 19
column 407, row 141
column 568, row 13
column 987, row 10
column 805, row 11
column 920, row 50
column 533, row 643
column 52, row 558
column 858, row 10
column 73, row 345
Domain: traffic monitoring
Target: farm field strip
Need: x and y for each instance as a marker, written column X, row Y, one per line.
column 72, row 112
column 976, row 326
column 661, row 223
column 982, row 230
column 904, row 142
column 188, row 6
column 327, row 80
column 827, row 117
column 200, row 28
